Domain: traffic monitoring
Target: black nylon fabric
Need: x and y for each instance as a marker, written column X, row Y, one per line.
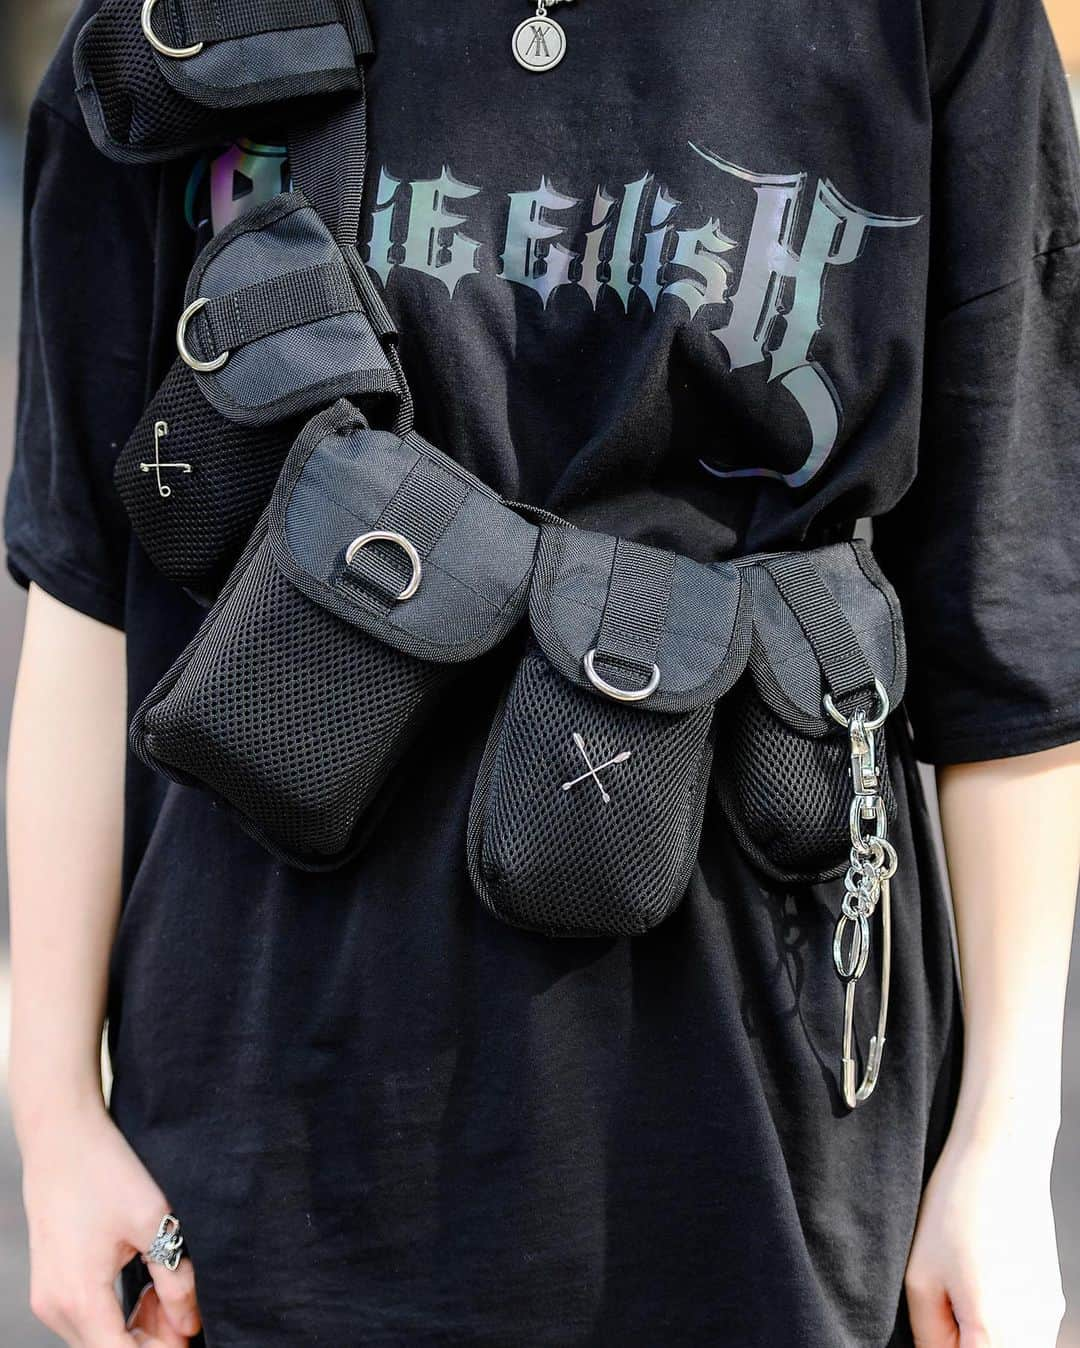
column 344, row 479
column 284, row 305
column 824, row 621
column 560, row 843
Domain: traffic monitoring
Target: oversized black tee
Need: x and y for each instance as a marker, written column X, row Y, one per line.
column 731, row 277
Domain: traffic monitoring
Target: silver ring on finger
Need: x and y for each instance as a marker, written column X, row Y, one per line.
column 167, row 1247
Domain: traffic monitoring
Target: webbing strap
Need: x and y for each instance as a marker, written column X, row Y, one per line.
column 421, row 510
column 222, row 20
column 635, row 614
column 843, row 662
column 288, row 301
column 328, row 156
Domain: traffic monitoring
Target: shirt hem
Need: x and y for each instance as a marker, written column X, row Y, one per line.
column 71, row 587
column 1003, row 741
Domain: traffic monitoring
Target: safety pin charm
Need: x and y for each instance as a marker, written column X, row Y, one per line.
column 161, row 429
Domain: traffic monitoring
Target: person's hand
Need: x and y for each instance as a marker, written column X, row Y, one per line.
column 91, row 1206
column 983, row 1270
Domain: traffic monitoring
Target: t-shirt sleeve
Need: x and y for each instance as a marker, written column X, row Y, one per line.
column 86, row 314
column 984, row 549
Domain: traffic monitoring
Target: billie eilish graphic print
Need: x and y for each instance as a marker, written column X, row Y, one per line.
column 763, row 297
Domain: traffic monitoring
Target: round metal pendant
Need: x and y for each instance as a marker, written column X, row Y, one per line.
column 539, row 44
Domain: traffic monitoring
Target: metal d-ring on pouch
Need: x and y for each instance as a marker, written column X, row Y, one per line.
column 379, row 568
column 587, row 811
column 804, row 783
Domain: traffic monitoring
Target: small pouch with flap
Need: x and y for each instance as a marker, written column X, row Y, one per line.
column 279, row 320
column 827, row 631
column 160, row 79
column 587, row 812
column 379, row 567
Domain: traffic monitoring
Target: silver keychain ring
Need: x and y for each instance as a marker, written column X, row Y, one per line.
column 620, row 694
column 388, row 536
column 177, row 53
column 200, row 366
column 878, row 721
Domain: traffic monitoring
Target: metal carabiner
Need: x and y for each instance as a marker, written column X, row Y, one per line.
column 856, row 1094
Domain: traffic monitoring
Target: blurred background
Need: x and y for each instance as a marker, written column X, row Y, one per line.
column 29, row 30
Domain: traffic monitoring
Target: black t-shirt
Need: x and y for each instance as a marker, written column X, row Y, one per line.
column 729, row 278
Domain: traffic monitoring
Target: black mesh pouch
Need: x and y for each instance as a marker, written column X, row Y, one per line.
column 825, row 622
column 299, row 324
column 235, row 66
column 587, row 811
column 378, row 568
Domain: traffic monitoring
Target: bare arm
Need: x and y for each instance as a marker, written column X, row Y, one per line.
column 90, row 1204
column 984, row 1268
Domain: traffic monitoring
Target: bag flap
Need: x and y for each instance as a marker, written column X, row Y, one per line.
column 667, row 632
column 245, row 57
column 273, row 301
column 454, row 578
column 824, row 621
column 263, row 52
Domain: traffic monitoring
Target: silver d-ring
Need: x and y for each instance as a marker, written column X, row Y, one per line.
column 202, row 366
column 178, row 53
column 388, row 536
column 620, row 694
column 878, row 721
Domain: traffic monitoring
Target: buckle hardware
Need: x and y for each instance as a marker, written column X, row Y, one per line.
column 620, row 694
column 177, row 53
column 389, row 536
column 200, row 366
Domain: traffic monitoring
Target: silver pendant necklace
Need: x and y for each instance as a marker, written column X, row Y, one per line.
column 539, row 43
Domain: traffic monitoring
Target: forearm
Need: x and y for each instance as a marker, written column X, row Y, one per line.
column 64, row 822
column 1012, row 837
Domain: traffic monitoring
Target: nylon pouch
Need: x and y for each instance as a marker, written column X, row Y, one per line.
column 160, row 79
column 587, row 811
column 291, row 321
column 825, row 622
column 379, row 567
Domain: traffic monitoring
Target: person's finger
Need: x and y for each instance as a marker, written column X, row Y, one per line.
column 933, row 1324
column 175, row 1290
column 975, row 1336
column 149, row 1316
column 97, row 1319
column 140, row 1337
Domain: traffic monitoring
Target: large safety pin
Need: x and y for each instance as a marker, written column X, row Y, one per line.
column 855, row 1095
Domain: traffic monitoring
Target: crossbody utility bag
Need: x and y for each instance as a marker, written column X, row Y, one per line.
column 378, row 569
column 356, row 568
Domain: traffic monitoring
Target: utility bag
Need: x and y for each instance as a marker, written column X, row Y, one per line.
column 279, row 319
column 587, row 811
column 160, row 79
column 826, row 625
column 362, row 589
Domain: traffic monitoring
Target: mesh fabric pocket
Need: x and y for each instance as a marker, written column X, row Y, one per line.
column 786, row 795
column 289, row 715
column 565, row 861
column 194, row 519
column 255, row 67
